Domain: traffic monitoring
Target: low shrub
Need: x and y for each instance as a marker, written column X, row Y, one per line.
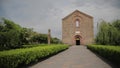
column 16, row 57
column 112, row 53
column 33, row 45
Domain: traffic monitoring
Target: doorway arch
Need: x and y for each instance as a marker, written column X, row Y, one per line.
column 77, row 39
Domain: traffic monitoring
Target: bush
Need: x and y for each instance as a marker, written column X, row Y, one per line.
column 111, row 53
column 14, row 58
column 33, row 45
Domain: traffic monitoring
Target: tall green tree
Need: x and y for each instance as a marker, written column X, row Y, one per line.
column 14, row 36
column 26, row 35
column 109, row 33
column 9, row 34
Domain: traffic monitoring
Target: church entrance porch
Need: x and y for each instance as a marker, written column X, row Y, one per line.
column 77, row 40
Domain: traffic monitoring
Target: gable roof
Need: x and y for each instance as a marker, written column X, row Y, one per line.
column 79, row 12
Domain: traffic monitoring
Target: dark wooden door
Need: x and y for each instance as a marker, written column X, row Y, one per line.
column 77, row 42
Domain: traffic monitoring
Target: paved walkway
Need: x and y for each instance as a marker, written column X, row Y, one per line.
column 74, row 57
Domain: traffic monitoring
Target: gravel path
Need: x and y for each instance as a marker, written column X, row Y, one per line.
column 74, row 57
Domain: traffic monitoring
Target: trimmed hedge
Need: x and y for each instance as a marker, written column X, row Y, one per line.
column 35, row 45
column 111, row 53
column 14, row 58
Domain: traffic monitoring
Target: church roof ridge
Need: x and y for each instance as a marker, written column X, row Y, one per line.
column 79, row 12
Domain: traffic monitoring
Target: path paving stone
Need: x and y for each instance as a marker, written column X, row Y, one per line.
column 74, row 57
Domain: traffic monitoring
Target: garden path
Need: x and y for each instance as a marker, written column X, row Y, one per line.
column 74, row 57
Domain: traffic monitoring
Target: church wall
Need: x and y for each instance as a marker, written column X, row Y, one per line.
column 85, row 28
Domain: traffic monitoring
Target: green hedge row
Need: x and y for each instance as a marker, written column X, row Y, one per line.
column 14, row 58
column 111, row 53
column 35, row 45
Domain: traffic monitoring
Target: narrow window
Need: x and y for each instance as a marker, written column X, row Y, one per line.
column 77, row 23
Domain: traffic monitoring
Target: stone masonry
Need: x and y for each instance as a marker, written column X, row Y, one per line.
column 77, row 28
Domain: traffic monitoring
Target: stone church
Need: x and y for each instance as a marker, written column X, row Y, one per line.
column 77, row 29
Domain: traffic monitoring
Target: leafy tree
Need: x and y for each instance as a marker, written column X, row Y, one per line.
column 39, row 38
column 26, row 35
column 14, row 36
column 116, row 24
column 109, row 33
column 56, row 41
column 9, row 34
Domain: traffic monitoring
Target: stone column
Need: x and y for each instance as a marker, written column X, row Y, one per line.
column 49, row 36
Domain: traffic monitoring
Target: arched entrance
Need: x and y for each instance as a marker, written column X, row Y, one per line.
column 77, row 39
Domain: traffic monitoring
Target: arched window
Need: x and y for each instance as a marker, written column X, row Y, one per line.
column 77, row 23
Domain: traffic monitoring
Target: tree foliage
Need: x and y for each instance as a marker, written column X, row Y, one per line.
column 9, row 35
column 39, row 38
column 56, row 40
column 13, row 36
column 109, row 33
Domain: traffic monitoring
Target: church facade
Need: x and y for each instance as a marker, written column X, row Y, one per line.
column 77, row 29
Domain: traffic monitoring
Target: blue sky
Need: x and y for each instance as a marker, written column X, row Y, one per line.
column 44, row 14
